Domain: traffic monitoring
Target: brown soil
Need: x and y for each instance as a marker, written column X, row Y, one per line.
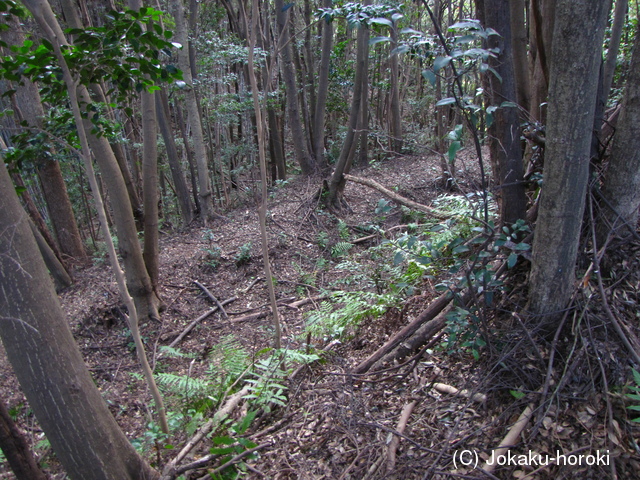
column 337, row 425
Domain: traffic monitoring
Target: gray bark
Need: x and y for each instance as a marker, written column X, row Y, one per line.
column 308, row 166
column 504, row 133
column 36, row 336
column 182, row 191
column 621, row 186
column 575, row 62
column 193, row 113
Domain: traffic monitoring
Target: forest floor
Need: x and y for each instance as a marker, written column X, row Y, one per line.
column 391, row 423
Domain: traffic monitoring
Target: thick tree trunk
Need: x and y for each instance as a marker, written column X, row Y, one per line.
column 519, row 45
column 182, row 191
column 575, row 62
column 38, row 342
column 193, row 114
column 504, row 132
column 621, row 186
column 307, row 164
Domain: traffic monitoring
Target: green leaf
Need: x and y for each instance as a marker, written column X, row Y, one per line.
column 453, row 149
column 441, row 62
column 398, row 258
column 374, row 40
column 512, row 259
column 446, row 101
column 382, row 21
column 429, row 76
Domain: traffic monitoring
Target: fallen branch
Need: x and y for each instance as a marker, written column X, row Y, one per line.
column 430, row 313
column 510, row 438
column 170, row 470
column 399, row 198
column 444, row 388
column 212, row 298
column 192, row 325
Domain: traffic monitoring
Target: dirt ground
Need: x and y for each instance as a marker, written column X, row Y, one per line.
column 337, row 425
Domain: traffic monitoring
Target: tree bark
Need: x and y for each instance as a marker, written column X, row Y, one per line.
column 182, row 191
column 39, row 344
column 575, row 62
column 504, row 132
column 16, row 449
column 395, row 122
column 621, row 186
column 519, row 46
column 543, row 16
column 343, row 165
column 138, row 282
column 614, row 46
column 307, row 165
column 323, row 90
column 49, row 172
column 193, row 114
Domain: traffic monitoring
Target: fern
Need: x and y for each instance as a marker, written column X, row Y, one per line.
column 340, row 249
column 346, row 310
column 182, row 385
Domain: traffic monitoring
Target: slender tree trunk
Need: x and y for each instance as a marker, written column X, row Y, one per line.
column 621, row 186
column 193, row 113
column 343, row 165
column 16, row 449
column 323, row 90
column 138, row 282
column 395, row 121
column 542, row 25
column 149, row 178
column 299, row 141
column 54, row 188
column 575, row 61
column 59, row 274
column 182, row 192
column 504, row 132
column 45, row 358
column 614, row 46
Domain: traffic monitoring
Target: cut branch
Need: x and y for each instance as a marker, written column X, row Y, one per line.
column 399, row 198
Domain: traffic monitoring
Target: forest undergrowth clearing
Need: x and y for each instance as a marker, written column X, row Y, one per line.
column 335, row 424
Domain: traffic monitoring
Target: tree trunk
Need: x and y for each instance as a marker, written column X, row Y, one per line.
column 543, row 16
column 16, row 449
column 193, row 114
column 343, row 165
column 53, row 187
column 182, row 191
column 60, row 276
column 395, row 122
column 39, row 344
column 138, row 282
column 519, row 46
column 308, row 166
column 504, row 132
column 323, row 90
column 575, row 61
column 614, row 46
column 621, row 186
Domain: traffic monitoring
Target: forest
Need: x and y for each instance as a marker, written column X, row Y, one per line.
column 319, row 239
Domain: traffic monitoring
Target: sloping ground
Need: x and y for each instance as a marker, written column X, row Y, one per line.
column 336, row 424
